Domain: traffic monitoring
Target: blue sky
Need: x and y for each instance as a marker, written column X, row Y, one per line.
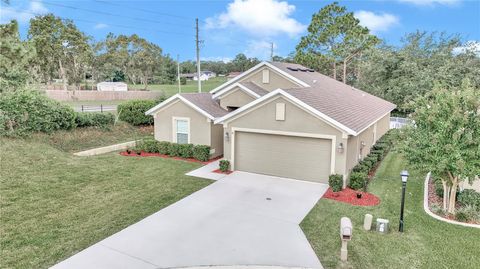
column 248, row 26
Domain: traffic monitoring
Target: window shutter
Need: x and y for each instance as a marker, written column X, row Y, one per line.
column 266, row 76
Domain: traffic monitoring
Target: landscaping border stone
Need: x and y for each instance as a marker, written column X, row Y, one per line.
column 107, row 149
column 435, row 216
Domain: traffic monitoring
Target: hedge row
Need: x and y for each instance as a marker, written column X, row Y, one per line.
column 198, row 152
column 359, row 175
column 133, row 111
column 94, row 119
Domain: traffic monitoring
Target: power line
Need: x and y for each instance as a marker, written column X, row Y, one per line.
column 114, row 15
column 145, row 10
column 115, row 25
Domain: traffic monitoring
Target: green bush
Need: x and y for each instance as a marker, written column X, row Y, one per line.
column 148, row 145
column 380, row 146
column 372, row 160
column 368, row 163
column 163, row 147
column 185, row 150
column 379, row 153
column 361, row 167
column 201, row 153
column 174, row 150
column 469, row 198
column 133, row 111
column 94, row 119
column 25, row 111
column 224, row 165
column 438, row 188
column 357, row 180
column 335, row 182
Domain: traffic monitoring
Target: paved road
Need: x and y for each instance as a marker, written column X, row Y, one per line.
column 242, row 219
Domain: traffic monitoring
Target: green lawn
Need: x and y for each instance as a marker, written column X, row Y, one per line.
column 54, row 204
column 191, row 86
column 86, row 138
column 426, row 242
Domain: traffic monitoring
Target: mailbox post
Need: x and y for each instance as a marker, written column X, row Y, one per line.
column 345, row 235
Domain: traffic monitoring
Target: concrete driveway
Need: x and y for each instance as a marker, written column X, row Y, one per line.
column 242, row 219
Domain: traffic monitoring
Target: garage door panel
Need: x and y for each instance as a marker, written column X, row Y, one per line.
column 285, row 156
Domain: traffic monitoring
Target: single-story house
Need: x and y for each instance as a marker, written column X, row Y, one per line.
column 204, row 75
column 280, row 119
column 112, row 86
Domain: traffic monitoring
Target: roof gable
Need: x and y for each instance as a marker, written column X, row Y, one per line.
column 201, row 102
column 257, row 67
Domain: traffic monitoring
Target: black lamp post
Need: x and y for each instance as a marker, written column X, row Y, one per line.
column 404, row 175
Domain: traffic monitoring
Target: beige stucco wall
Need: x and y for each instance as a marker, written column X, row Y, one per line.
column 216, row 139
column 235, row 98
column 200, row 126
column 276, row 80
column 354, row 142
column 296, row 120
column 383, row 125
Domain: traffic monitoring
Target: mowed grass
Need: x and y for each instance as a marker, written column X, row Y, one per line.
column 54, row 204
column 425, row 243
column 87, row 138
column 192, row 86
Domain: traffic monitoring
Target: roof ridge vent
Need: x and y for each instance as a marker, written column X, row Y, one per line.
column 292, row 68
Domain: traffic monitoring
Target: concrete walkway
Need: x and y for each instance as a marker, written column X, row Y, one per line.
column 206, row 171
column 242, row 219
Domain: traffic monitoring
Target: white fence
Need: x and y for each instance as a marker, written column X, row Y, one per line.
column 397, row 122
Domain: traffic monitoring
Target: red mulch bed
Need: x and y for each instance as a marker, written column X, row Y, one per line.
column 147, row 154
column 349, row 196
column 221, row 172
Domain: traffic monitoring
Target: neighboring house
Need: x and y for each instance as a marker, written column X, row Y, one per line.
column 112, row 86
column 188, row 76
column 232, row 75
column 205, row 75
column 279, row 119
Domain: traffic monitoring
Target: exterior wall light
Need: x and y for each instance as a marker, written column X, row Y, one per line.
column 340, row 148
column 227, row 136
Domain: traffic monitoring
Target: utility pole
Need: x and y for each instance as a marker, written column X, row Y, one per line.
column 197, row 41
column 178, row 74
column 271, row 51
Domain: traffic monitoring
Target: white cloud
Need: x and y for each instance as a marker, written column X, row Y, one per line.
column 376, row 22
column 260, row 49
column 472, row 45
column 258, row 17
column 431, row 2
column 8, row 13
column 100, row 26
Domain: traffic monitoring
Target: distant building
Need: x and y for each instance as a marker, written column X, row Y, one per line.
column 188, row 76
column 112, row 86
column 233, row 74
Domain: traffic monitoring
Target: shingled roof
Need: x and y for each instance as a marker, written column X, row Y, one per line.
column 205, row 102
column 254, row 88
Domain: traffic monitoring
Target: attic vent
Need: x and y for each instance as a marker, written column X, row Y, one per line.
column 292, row 68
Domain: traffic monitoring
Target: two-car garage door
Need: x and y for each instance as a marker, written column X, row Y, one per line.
column 297, row 157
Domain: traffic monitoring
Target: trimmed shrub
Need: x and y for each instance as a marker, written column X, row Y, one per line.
column 438, row 188
column 133, row 111
column 372, row 160
column 163, row 147
column 335, row 182
column 469, row 198
column 94, row 119
column 185, row 150
column 224, row 165
column 368, row 163
column 379, row 153
column 148, row 145
column 25, row 111
column 201, row 153
column 174, row 150
column 380, row 146
column 357, row 180
column 361, row 167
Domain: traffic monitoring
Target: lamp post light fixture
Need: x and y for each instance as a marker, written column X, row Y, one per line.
column 404, row 174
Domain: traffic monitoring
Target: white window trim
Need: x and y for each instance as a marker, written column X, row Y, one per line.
column 262, row 131
column 174, row 128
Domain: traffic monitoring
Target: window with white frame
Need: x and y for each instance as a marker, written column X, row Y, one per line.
column 182, row 131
